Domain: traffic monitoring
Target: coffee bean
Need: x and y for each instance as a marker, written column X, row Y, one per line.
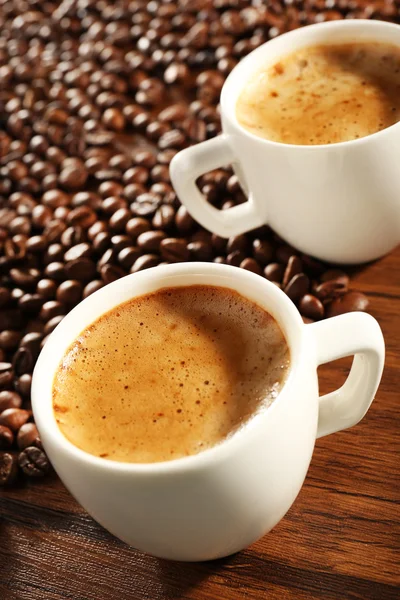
column 46, row 288
column 297, row 287
column 183, row 221
column 8, row 468
column 250, row 264
column 330, row 289
column 311, row 307
column 110, row 273
column 69, row 292
column 262, row 251
column 52, row 324
column 164, row 217
column 172, row 139
column 274, row 272
column 23, row 385
column 30, row 303
column 14, row 418
column 81, row 269
column 27, row 436
column 9, row 399
column 145, row 261
column 22, row 361
column 81, row 250
column 335, row 275
column 352, row 301
column 174, row 250
column 234, row 259
column 92, row 287
column 33, row 462
column 199, row 250
column 146, row 205
column 294, row 267
column 149, row 241
column 51, row 309
column 9, row 339
column 237, row 242
column 6, row 437
column 31, row 341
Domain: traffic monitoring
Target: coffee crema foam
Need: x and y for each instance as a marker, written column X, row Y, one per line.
column 324, row 94
column 169, row 374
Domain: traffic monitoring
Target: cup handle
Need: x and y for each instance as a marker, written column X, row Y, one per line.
column 188, row 165
column 353, row 333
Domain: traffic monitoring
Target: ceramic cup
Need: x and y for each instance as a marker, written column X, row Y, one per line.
column 219, row 501
column 338, row 202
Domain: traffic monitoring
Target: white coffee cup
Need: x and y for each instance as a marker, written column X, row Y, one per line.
column 219, row 501
column 339, row 202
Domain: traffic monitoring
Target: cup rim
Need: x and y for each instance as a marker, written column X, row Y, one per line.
column 56, row 346
column 239, row 72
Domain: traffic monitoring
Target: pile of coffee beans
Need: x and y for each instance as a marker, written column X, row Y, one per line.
column 96, row 97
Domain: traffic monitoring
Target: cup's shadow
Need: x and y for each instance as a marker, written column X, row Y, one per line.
column 178, row 579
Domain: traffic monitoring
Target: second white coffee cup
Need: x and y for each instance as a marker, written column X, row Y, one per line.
column 338, row 202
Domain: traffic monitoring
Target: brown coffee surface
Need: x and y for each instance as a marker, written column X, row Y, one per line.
column 324, row 94
column 169, row 374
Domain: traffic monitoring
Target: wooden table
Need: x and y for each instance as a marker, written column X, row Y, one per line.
column 340, row 540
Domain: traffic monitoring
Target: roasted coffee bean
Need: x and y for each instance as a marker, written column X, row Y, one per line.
column 81, row 250
column 183, row 221
column 127, row 256
column 274, row 272
column 23, row 385
column 14, row 418
column 33, row 462
column 30, row 303
column 8, row 468
column 92, row 287
column 6, row 437
column 262, row 251
column 51, row 309
column 27, row 436
column 234, row 259
column 146, row 205
column 199, row 250
column 145, row 261
column 82, row 269
column 293, row 267
column 25, row 278
column 237, row 242
column 110, row 273
column 31, row 341
column 22, row 361
column 119, row 219
column 330, row 289
column 52, row 324
column 69, row 292
column 352, row 301
column 311, row 307
column 55, row 270
column 174, row 250
column 164, row 217
column 9, row 339
column 149, row 241
column 250, row 264
column 297, row 287
column 46, row 288
column 9, row 399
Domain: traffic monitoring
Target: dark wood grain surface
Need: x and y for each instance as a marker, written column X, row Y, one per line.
column 340, row 540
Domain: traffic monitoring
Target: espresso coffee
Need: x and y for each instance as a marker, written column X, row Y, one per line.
column 324, row 94
column 169, row 374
